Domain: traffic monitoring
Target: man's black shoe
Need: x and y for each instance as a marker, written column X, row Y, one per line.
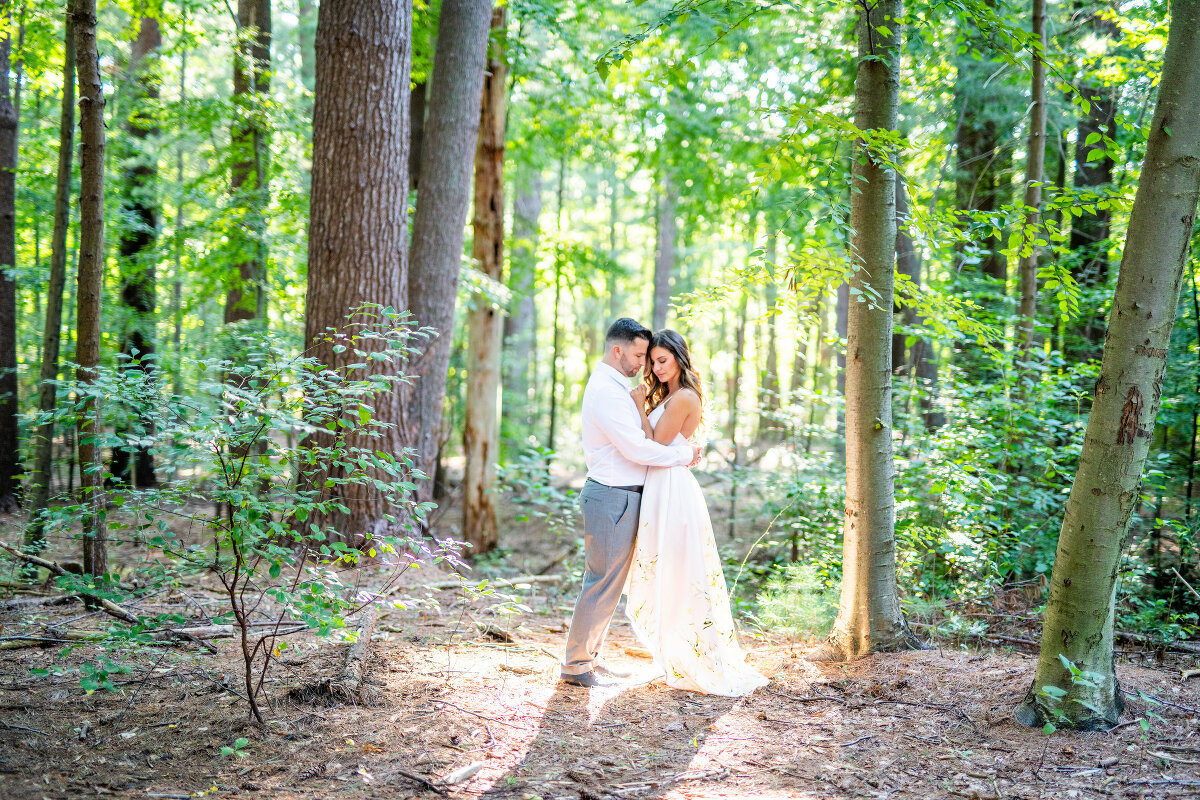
column 608, row 670
column 586, row 679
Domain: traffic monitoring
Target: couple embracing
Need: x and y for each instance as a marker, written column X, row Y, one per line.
column 646, row 526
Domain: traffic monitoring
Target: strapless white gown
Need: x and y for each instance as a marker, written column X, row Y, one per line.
column 677, row 600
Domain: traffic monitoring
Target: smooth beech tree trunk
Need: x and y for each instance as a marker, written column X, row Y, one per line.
column 245, row 297
column 1080, row 604
column 1034, row 175
column 10, row 463
column 664, row 252
column 481, row 423
column 450, row 138
column 357, row 217
column 869, row 617
column 52, row 333
column 137, row 241
column 91, row 278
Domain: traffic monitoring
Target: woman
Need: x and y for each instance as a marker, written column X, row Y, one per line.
column 677, row 602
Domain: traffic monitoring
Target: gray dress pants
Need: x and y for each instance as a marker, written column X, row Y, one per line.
column 610, row 521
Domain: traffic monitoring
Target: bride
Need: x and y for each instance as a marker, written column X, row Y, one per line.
column 677, row 600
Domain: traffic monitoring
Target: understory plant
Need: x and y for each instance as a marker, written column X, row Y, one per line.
column 273, row 443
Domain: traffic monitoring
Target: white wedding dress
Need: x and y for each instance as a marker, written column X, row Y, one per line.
column 677, row 600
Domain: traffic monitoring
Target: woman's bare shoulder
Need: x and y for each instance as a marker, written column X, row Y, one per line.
column 687, row 398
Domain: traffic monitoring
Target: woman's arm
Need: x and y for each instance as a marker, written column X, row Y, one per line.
column 682, row 414
column 639, row 399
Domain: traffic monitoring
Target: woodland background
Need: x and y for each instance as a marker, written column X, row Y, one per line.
column 687, row 164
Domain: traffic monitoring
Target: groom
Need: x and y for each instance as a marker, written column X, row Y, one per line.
column 617, row 452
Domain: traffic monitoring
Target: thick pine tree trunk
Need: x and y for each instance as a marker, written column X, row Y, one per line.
column 450, row 139
column 137, row 242
column 245, row 297
column 1034, row 174
column 52, row 333
column 869, row 617
column 10, row 463
column 664, row 252
column 481, row 423
column 520, row 328
column 91, row 277
column 1079, row 608
column 357, row 218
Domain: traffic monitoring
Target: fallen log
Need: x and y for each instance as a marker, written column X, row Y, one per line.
column 354, row 671
column 109, row 606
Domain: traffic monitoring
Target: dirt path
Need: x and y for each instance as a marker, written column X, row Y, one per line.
column 922, row 725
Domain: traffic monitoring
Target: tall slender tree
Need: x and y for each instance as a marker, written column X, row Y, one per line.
column 451, row 132
column 245, row 297
column 90, row 278
column 664, row 250
column 481, row 423
column 520, row 326
column 137, row 238
column 10, row 464
column 1078, row 628
column 359, row 198
column 1034, row 175
column 52, row 332
column 869, row 617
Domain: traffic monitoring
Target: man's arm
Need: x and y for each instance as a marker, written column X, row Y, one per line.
column 620, row 423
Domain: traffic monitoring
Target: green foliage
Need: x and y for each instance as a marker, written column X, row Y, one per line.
column 282, row 443
column 797, row 601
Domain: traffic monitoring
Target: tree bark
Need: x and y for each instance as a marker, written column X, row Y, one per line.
column 52, row 333
column 357, row 217
column 520, row 327
column 90, row 278
column 456, row 87
column 137, row 242
column 1090, row 230
column 245, row 297
column 921, row 364
column 1034, row 175
column 481, row 423
column 664, row 252
column 1079, row 609
column 869, row 617
column 10, row 462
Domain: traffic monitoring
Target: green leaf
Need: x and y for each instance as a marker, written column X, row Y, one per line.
column 241, row 742
column 274, row 570
column 1092, row 138
column 1049, row 728
column 1096, row 155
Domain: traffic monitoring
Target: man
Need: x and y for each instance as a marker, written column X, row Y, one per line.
column 617, row 452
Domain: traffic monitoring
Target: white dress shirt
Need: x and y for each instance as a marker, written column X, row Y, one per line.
column 615, row 447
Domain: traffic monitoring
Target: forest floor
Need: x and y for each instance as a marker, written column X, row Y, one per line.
column 482, row 718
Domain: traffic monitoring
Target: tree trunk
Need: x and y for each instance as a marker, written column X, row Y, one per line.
column 869, row 617
column 452, row 130
column 1080, row 604
column 91, row 278
column 1091, row 229
column 520, row 328
column 10, row 463
column 1034, row 174
column 137, row 241
column 556, row 346
column 52, row 334
column 769, row 402
column 245, row 297
column 416, row 130
column 735, row 384
column 664, row 252
column 306, row 30
column 357, row 217
column 481, row 423
column 921, row 364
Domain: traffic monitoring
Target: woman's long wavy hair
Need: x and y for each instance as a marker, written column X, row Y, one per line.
column 675, row 344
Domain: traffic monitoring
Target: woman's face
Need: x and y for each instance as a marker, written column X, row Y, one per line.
column 662, row 362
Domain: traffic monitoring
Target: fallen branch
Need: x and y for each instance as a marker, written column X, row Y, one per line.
column 351, row 679
column 109, row 606
column 499, row 583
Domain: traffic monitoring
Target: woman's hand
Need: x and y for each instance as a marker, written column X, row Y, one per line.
column 638, row 393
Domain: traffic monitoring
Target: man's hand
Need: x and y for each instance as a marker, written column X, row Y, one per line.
column 696, row 451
